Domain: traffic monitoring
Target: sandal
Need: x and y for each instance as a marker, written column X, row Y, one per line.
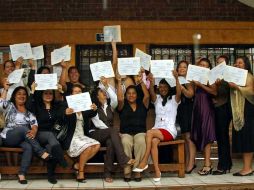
column 206, row 170
column 108, row 180
column 81, row 180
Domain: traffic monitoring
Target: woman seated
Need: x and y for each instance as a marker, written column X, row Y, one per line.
column 164, row 128
column 76, row 142
column 103, row 131
column 21, row 128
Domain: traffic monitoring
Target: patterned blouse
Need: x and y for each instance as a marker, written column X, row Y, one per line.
column 14, row 118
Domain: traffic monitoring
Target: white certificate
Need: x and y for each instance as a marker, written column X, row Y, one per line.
column 45, row 81
column 79, row 102
column 217, row 72
column 38, row 52
column 235, row 75
column 15, row 76
column 21, row 50
column 172, row 81
column 145, row 59
column 112, row 33
column 102, row 69
column 60, row 54
column 129, row 66
column 162, row 68
column 196, row 73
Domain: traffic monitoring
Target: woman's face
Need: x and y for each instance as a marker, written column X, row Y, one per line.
column 74, row 75
column 182, row 69
column 20, row 97
column 131, row 95
column 76, row 90
column 203, row 64
column 9, row 67
column 163, row 89
column 102, row 97
column 220, row 60
column 47, row 96
column 239, row 63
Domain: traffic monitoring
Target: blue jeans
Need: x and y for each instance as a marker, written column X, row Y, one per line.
column 17, row 138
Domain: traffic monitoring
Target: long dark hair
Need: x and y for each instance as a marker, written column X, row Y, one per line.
column 8, row 61
column 131, row 87
column 39, row 71
column 76, row 86
column 39, row 98
column 16, row 91
column 246, row 61
column 94, row 97
column 183, row 61
column 206, row 60
column 169, row 94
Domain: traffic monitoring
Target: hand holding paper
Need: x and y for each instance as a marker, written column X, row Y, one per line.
column 235, row 75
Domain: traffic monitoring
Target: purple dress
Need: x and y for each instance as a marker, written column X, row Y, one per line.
column 203, row 120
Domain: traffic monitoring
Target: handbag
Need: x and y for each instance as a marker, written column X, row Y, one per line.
column 60, row 130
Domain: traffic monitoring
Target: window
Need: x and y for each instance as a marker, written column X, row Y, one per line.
column 87, row 54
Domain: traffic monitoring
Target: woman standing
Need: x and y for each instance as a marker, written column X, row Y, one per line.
column 242, row 103
column 203, row 123
column 133, row 112
column 21, row 128
column 76, row 142
column 164, row 128
column 184, row 111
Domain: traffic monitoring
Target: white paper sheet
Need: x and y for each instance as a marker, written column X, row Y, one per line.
column 217, row 72
column 196, row 73
column 79, row 102
column 129, row 66
column 45, row 81
column 145, row 59
column 172, row 81
column 21, row 50
column 60, row 54
column 15, row 76
column 112, row 33
column 162, row 68
column 38, row 52
column 235, row 75
column 100, row 69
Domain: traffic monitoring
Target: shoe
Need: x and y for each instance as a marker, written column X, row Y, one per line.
column 220, row 172
column 140, row 169
column 138, row 179
column 189, row 172
column 242, row 175
column 81, row 180
column 52, row 180
column 157, row 179
column 127, row 179
column 205, row 170
column 23, row 181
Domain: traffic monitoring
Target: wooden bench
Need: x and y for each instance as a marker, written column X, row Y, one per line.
column 39, row 168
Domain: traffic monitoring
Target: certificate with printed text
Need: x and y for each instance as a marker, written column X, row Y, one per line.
column 45, row 81
column 79, row 102
column 60, row 54
column 112, row 33
column 162, row 68
column 21, row 50
column 15, row 76
column 102, row 69
column 235, row 75
column 38, row 52
column 128, row 66
column 145, row 59
column 217, row 72
column 197, row 73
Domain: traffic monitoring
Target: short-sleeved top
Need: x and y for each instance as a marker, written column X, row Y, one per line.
column 166, row 115
column 14, row 118
column 133, row 122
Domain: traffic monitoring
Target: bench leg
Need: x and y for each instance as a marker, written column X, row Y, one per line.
column 181, row 160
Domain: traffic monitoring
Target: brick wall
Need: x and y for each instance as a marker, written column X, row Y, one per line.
column 77, row 10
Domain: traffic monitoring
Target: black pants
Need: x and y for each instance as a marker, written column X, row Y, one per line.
column 48, row 140
column 111, row 137
column 222, row 118
column 17, row 138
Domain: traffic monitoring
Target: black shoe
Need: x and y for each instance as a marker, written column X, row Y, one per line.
column 127, row 179
column 220, row 172
column 52, row 180
column 189, row 172
column 138, row 179
column 23, row 181
column 81, row 180
column 242, row 175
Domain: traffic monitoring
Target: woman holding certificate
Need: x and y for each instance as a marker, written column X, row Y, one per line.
column 76, row 142
column 164, row 128
column 47, row 112
column 132, row 113
column 21, row 128
column 203, row 123
column 242, row 103
column 103, row 130
column 184, row 111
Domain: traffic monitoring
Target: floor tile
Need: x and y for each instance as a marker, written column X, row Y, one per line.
column 66, row 184
column 144, row 183
column 40, row 184
column 14, row 184
column 91, row 184
column 116, row 183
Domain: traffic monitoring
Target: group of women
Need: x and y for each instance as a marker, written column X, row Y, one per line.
column 204, row 113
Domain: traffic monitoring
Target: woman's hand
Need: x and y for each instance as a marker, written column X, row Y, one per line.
column 104, row 81
column 197, row 83
column 64, row 64
column 93, row 107
column 175, row 74
column 233, row 85
column 69, row 111
column 138, row 78
column 6, row 84
column 118, row 77
column 60, row 88
column 33, row 86
column 31, row 64
column 151, row 79
column 31, row 134
column 19, row 62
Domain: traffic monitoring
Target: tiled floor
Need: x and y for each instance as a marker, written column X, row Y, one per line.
column 168, row 181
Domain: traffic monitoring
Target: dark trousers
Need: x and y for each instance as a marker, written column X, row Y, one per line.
column 48, row 140
column 222, row 118
column 111, row 138
column 17, row 138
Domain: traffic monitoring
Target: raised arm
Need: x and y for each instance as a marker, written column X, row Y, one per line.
column 146, row 98
column 30, row 103
column 178, row 87
column 111, row 92
column 120, row 95
column 63, row 75
column 151, row 88
column 114, row 56
column 19, row 62
column 188, row 90
column 30, row 79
